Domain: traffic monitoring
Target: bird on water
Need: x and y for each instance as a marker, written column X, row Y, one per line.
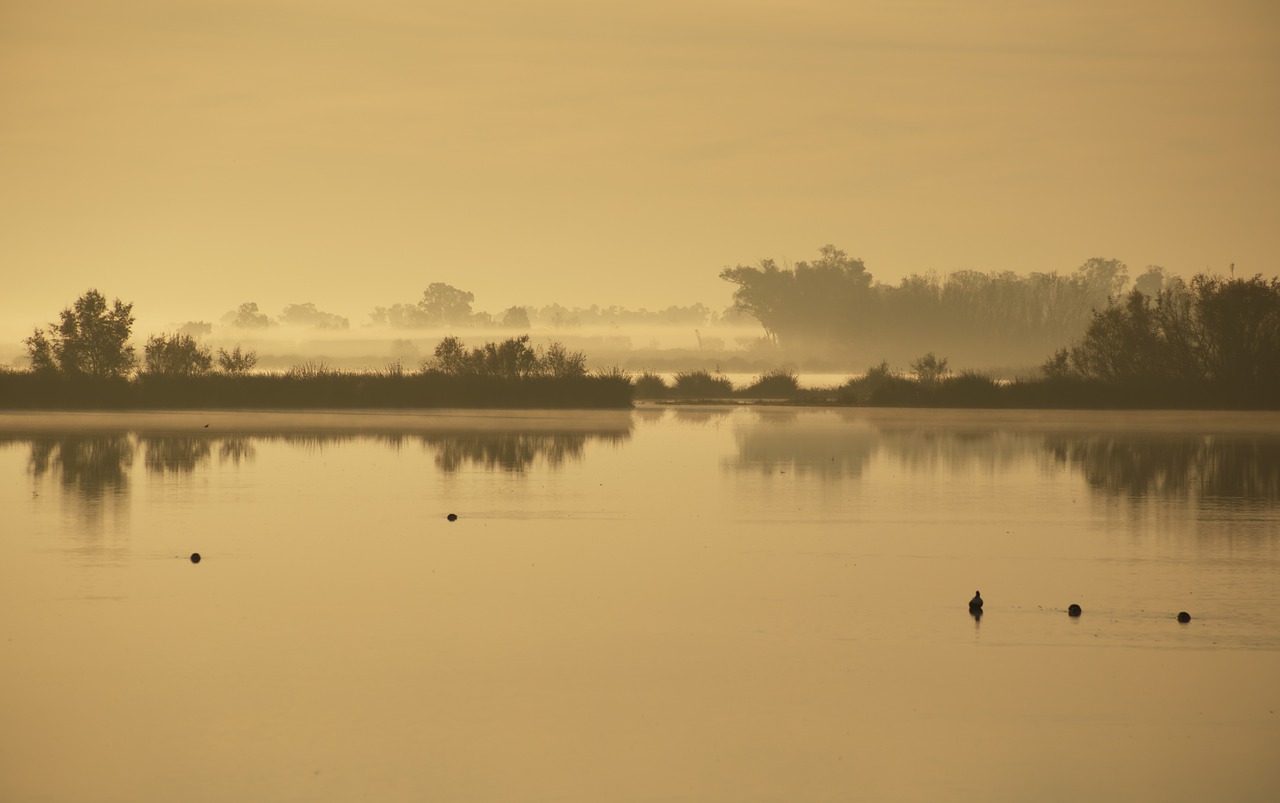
column 975, row 604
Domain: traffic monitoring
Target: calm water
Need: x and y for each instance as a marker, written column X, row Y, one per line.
column 686, row 604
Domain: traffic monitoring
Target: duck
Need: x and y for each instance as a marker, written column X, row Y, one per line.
column 975, row 604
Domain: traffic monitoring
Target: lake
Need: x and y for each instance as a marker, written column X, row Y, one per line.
column 665, row 604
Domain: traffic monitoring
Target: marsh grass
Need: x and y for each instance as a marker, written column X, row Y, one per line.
column 313, row 387
column 779, row 383
column 701, row 385
column 649, row 385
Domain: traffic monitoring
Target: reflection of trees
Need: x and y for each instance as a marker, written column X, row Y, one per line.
column 959, row 449
column 1205, row 466
column 91, row 466
column 177, row 454
column 236, row 449
column 1241, row 467
column 511, row 451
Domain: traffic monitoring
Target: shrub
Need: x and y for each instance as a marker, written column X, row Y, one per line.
column 176, row 355
column 780, row 383
column 701, row 384
column 236, row 362
column 650, row 386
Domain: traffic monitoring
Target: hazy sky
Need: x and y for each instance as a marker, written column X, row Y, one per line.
column 192, row 155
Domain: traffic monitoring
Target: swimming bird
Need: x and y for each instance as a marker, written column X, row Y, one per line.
column 975, row 604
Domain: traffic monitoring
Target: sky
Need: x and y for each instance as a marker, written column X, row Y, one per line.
column 190, row 156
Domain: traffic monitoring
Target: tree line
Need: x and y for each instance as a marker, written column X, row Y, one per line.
column 832, row 305
column 86, row 359
column 91, row 339
column 1212, row 330
column 445, row 305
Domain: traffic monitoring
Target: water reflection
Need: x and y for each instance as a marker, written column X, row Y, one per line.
column 1207, row 467
column 92, row 465
column 1221, row 467
column 775, row 445
column 173, row 454
column 511, row 451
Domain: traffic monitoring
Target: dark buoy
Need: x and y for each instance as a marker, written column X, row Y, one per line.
column 975, row 604
column 195, row 557
column 1073, row 610
column 1184, row 617
column 452, row 517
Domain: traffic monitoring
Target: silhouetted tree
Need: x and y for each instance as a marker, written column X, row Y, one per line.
column 929, row 368
column 247, row 317
column 560, row 363
column 196, row 328
column 90, row 339
column 446, row 304
column 176, row 355
column 308, row 315
column 513, row 358
column 515, row 318
column 400, row 316
column 831, row 305
column 236, row 362
column 1220, row 330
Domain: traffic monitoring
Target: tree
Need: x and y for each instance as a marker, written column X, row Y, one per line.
column 176, row 355
column 196, row 328
column 1217, row 330
column 558, row 362
column 824, row 299
column 513, row 358
column 236, row 362
column 247, row 317
column 515, row 318
column 308, row 315
column 446, row 304
column 91, row 339
column 929, row 368
column 400, row 316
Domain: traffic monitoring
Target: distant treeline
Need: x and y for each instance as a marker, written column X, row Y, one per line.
column 832, row 306
column 445, row 305
column 1210, row 343
column 85, row 360
column 1213, row 343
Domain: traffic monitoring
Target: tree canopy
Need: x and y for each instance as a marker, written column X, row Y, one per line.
column 832, row 306
column 176, row 355
column 1213, row 330
column 91, row 338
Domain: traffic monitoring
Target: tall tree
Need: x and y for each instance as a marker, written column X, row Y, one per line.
column 446, row 304
column 90, row 339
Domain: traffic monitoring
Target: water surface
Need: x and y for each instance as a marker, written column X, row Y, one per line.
column 668, row 604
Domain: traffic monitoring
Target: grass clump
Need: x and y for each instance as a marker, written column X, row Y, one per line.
column 779, row 383
column 701, row 384
column 650, row 386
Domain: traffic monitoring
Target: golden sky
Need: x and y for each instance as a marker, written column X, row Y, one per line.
column 188, row 156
